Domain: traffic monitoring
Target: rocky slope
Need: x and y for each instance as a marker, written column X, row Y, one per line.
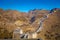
column 51, row 27
column 11, row 19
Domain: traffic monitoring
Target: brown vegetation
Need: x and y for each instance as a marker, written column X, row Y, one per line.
column 51, row 26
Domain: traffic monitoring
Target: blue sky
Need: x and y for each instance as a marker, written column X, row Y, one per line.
column 26, row 5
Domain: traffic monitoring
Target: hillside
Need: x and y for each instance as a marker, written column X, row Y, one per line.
column 29, row 22
column 51, row 27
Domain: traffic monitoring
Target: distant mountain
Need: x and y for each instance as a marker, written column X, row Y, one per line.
column 37, row 13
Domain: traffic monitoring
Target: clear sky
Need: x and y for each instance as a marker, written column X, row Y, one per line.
column 26, row 5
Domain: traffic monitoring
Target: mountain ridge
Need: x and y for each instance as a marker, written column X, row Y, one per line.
column 9, row 18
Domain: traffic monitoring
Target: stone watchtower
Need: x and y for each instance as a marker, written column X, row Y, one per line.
column 17, row 32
